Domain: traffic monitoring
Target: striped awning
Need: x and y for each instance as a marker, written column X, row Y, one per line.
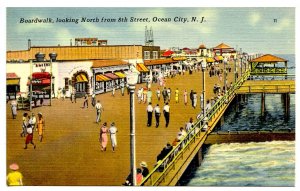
column 111, row 76
column 219, row 58
column 120, row 74
column 210, row 60
column 12, row 81
column 101, row 78
column 81, row 78
column 142, row 68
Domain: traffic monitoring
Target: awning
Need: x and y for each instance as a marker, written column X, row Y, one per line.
column 39, row 82
column 111, row 76
column 120, row 74
column 101, row 78
column 210, row 60
column 142, row 68
column 12, row 81
column 179, row 58
column 41, row 75
column 11, row 75
column 219, row 58
column 81, row 78
column 168, row 53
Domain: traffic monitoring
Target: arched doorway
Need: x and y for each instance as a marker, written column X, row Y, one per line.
column 81, row 83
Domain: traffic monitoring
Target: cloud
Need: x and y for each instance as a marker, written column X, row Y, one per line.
column 254, row 18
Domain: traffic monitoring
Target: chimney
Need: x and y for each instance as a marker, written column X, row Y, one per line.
column 29, row 44
column 53, row 56
column 40, row 57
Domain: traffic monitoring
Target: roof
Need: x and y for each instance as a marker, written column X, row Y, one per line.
column 222, row 46
column 11, row 75
column 101, row 63
column 268, row 58
column 202, row 46
column 168, row 53
column 159, row 61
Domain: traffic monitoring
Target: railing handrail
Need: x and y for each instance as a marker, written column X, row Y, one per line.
column 176, row 151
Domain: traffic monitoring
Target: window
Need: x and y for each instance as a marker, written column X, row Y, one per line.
column 155, row 55
column 147, row 55
column 66, row 84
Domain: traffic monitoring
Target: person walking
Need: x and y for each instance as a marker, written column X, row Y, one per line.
column 149, row 96
column 24, row 124
column 14, row 178
column 13, row 106
column 73, row 96
column 157, row 114
column 113, row 137
column 195, row 100
column 158, row 94
column 99, row 110
column 85, row 102
column 192, row 97
column 29, row 137
column 165, row 95
column 64, row 93
column 185, row 97
column 176, row 95
column 149, row 114
column 166, row 111
column 169, row 94
column 40, row 126
column 122, row 88
column 32, row 121
column 93, row 99
column 145, row 91
column 103, row 136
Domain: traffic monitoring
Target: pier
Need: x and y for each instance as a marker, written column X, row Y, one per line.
column 71, row 145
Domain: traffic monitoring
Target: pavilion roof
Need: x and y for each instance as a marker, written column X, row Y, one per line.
column 222, row 46
column 268, row 58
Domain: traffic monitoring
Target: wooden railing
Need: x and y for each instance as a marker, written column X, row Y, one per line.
column 163, row 167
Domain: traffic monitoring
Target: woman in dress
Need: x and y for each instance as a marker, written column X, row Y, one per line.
column 185, row 97
column 40, row 126
column 103, row 136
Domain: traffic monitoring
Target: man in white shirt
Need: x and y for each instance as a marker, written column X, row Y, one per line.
column 167, row 114
column 157, row 114
column 189, row 125
column 112, row 131
column 149, row 114
column 99, row 109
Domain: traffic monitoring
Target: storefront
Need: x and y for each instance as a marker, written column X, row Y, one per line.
column 12, row 86
column 144, row 71
column 100, row 84
column 80, row 83
column 114, row 81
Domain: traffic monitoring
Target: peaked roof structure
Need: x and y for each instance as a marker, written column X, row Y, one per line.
column 268, row 58
column 222, row 46
column 202, row 46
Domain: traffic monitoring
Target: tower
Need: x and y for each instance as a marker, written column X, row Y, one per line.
column 149, row 41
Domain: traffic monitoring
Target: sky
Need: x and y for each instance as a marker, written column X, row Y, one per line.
column 255, row 30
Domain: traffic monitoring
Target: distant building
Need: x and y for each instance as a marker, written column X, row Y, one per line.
column 87, row 67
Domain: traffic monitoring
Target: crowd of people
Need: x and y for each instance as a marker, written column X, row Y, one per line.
column 30, row 124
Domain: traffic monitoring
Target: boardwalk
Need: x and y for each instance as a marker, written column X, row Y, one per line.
column 70, row 153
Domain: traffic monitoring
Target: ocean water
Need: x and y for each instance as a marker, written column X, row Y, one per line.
column 264, row 164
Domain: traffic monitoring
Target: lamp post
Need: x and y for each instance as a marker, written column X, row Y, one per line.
column 132, row 78
column 225, row 75
column 203, row 65
column 51, row 81
column 30, row 88
column 235, row 70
